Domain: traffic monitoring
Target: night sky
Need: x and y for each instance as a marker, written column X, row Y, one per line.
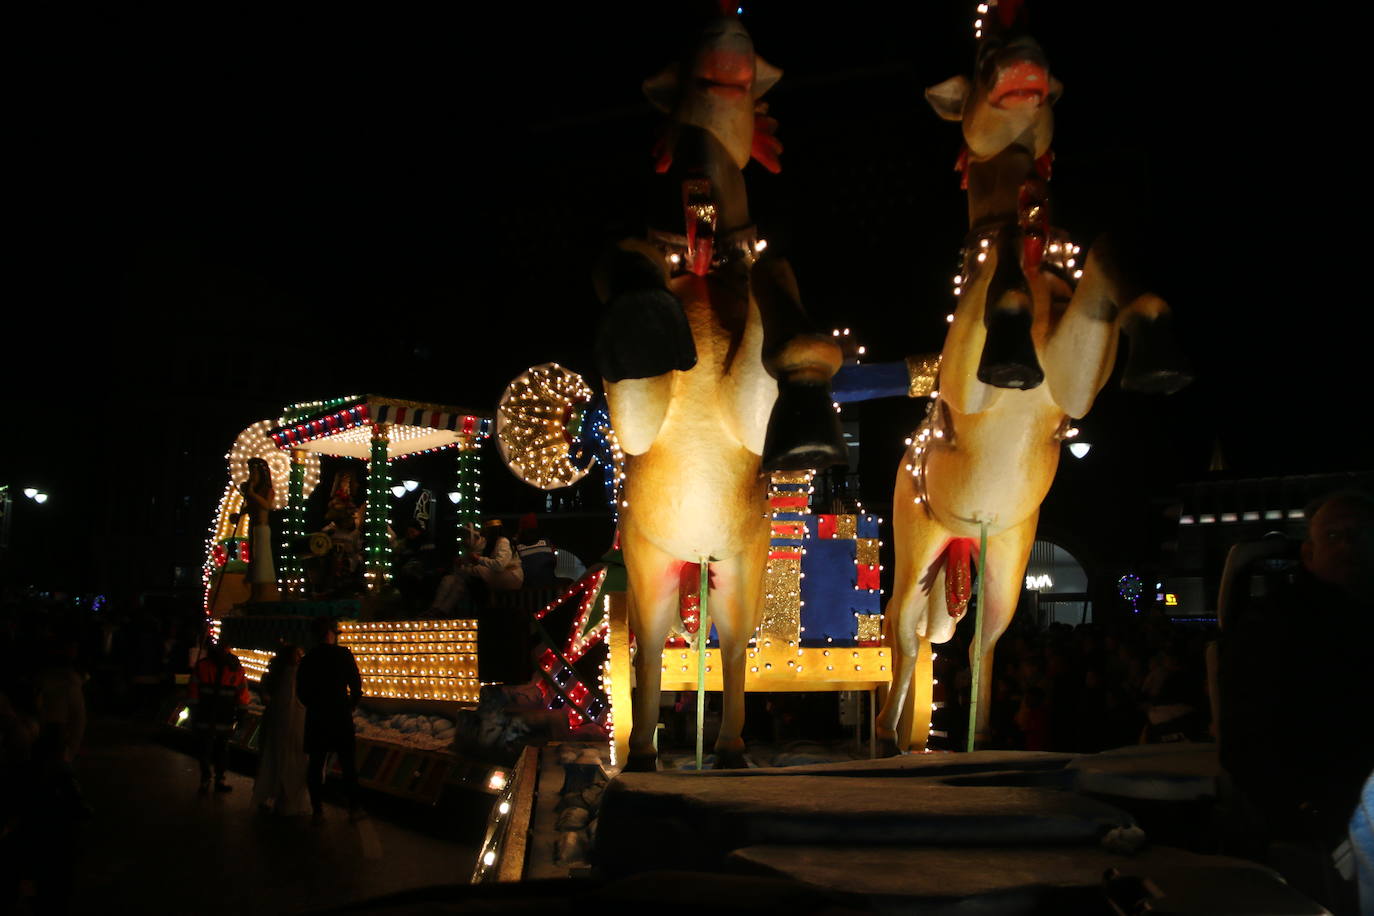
column 214, row 216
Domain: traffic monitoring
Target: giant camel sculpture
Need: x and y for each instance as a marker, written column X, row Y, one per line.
column 709, row 364
column 1032, row 342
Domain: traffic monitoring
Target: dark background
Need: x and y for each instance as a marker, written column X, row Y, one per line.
column 215, row 215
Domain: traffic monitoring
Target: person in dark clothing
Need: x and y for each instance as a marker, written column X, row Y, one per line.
column 1296, row 685
column 330, row 687
column 217, row 697
column 414, row 563
column 537, row 557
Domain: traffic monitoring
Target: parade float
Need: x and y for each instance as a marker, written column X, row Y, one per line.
column 419, row 676
column 719, row 393
column 719, row 408
column 718, row 404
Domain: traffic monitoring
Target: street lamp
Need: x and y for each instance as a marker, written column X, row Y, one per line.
column 1077, row 448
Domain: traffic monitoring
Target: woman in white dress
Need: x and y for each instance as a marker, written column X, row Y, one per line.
column 280, row 786
column 258, row 497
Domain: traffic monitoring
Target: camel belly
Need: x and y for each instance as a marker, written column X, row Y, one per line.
column 696, row 492
column 998, row 470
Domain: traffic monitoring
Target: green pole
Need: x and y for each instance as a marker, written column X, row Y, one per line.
column 976, row 659
column 376, row 548
column 294, row 569
column 703, row 635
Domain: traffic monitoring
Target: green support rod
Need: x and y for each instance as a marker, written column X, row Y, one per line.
column 703, row 636
column 976, row 654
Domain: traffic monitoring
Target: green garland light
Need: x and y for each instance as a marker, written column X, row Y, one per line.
column 297, row 412
column 293, row 570
column 376, row 544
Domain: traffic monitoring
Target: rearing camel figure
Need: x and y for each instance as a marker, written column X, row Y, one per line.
column 709, row 364
column 1032, row 342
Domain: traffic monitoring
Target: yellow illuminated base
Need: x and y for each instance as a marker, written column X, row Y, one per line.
column 416, row 659
column 403, row 659
column 254, row 661
column 782, row 669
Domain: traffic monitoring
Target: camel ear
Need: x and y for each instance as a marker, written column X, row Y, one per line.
column 1056, row 90
column 948, row 98
column 765, row 76
column 661, row 88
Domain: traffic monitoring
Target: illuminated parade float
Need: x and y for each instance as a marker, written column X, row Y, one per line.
column 718, row 412
column 722, row 401
column 264, row 589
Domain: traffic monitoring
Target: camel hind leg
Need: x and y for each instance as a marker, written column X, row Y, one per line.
column 913, row 728
column 736, row 605
column 1005, row 569
column 919, row 543
column 652, row 599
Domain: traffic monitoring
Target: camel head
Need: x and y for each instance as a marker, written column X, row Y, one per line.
column 717, row 85
column 1008, row 101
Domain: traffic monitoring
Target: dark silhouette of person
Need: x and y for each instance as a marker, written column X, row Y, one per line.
column 1296, row 684
column 217, row 697
column 329, row 685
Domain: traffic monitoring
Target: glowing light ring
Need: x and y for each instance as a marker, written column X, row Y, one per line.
column 536, row 426
column 254, row 442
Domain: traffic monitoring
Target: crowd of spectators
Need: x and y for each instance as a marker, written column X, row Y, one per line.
column 1084, row 688
column 46, row 654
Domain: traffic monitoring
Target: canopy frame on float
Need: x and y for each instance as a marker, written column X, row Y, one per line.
column 372, row 428
column 378, row 430
column 351, row 427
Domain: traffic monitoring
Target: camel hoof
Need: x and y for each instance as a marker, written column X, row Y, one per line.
column 803, row 430
column 886, row 747
column 730, row 760
column 1008, row 359
column 1155, row 365
column 641, row 763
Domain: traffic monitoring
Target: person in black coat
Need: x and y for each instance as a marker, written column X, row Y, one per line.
column 1296, row 687
column 329, row 686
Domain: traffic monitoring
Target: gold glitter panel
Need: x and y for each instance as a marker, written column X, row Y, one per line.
column 866, row 551
column 923, row 371
column 870, row 627
column 791, row 477
column 782, row 601
column 846, row 527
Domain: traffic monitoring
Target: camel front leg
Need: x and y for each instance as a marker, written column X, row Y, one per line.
column 959, row 384
column 1005, row 569
column 803, row 430
column 653, row 592
column 638, row 408
column 1081, row 350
